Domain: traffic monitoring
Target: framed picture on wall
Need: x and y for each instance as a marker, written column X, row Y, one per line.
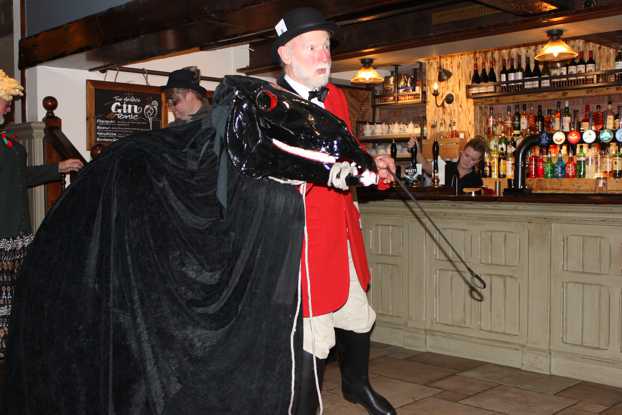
column 116, row 110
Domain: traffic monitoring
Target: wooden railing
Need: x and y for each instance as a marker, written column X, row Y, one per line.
column 57, row 147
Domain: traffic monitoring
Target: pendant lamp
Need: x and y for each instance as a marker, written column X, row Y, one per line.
column 367, row 74
column 555, row 49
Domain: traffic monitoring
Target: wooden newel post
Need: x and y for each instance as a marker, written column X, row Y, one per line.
column 51, row 156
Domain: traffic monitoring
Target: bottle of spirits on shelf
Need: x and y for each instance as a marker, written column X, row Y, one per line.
column 597, row 117
column 528, row 75
column 590, row 65
column 492, row 75
column 475, row 79
column 571, row 166
column 483, row 76
column 617, row 163
column 581, row 162
column 540, row 160
column 557, row 117
column 503, row 74
column 520, row 71
column 540, row 120
column 618, row 125
column 508, row 121
column 545, row 78
column 532, row 163
column 490, row 124
column 574, row 135
column 502, row 158
column 531, row 120
column 549, row 166
column 548, row 121
column 571, row 69
column 589, row 135
column 566, row 119
column 605, row 135
column 610, row 117
column 516, row 121
column 585, row 121
column 494, row 163
column 559, row 171
column 581, row 64
column 524, row 121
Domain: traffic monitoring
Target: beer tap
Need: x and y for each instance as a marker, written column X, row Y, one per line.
column 435, row 154
column 411, row 173
column 394, row 157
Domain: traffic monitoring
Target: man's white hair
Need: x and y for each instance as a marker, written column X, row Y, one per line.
column 9, row 87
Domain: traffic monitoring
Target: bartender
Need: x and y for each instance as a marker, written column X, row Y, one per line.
column 461, row 173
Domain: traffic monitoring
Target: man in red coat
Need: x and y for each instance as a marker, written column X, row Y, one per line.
column 334, row 270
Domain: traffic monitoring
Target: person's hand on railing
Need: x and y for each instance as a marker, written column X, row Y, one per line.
column 69, row 165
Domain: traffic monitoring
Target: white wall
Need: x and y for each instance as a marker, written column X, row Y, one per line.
column 68, row 86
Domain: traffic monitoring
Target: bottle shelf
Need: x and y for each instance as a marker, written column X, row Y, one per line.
column 400, row 100
column 584, row 186
column 390, row 137
column 570, row 85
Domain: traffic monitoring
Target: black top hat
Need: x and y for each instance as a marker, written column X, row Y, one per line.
column 184, row 78
column 299, row 21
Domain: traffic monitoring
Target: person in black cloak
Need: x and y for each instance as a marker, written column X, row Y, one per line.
column 165, row 280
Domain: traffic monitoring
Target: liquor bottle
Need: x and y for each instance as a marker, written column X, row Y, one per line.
column 618, row 60
column 585, row 121
column 494, row 164
column 539, row 163
column 559, row 171
column 502, row 164
column 537, row 74
column 518, row 76
column 528, row 75
column 532, row 163
column 581, row 163
column 475, row 79
column 571, row 166
column 548, row 121
column 617, row 164
column 566, row 119
column 540, row 120
column 609, row 117
column 571, row 68
column 590, row 65
column 502, row 146
column 509, row 163
column 545, row 78
column 490, row 124
column 524, row 121
column 549, row 166
column 507, row 122
column 589, row 135
column 557, row 117
column 486, row 169
column 512, row 72
column 618, row 125
column 516, row 121
column 605, row 134
column 581, row 64
column 574, row 135
column 531, row 120
column 492, row 75
column 597, row 117
column 483, row 76
column 503, row 75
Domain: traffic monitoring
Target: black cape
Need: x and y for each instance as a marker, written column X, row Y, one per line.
column 141, row 294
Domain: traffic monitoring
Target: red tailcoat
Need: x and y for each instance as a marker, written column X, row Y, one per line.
column 332, row 221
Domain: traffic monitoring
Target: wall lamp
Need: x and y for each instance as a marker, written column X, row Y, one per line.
column 443, row 75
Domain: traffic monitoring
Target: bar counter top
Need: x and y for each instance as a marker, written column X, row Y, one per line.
column 429, row 194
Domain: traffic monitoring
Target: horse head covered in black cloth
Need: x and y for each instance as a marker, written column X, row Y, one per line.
column 143, row 294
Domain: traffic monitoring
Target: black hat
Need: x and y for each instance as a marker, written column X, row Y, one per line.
column 186, row 79
column 299, row 21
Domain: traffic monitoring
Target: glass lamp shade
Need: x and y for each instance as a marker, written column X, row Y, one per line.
column 555, row 49
column 367, row 74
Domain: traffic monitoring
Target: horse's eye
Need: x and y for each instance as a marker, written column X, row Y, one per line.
column 266, row 101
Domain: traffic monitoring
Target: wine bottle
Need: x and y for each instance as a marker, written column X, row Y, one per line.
column 528, row 75
column 590, row 65
column 475, row 79
column 492, row 76
column 618, row 60
column 503, row 75
column 545, row 79
column 483, row 76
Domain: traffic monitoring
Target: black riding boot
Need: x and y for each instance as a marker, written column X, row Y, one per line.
column 308, row 400
column 353, row 354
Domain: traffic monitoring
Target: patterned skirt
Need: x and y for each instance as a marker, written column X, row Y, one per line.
column 12, row 252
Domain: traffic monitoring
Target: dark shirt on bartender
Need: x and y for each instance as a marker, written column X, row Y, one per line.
column 471, row 179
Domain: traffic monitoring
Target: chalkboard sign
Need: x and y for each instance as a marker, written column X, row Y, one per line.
column 116, row 110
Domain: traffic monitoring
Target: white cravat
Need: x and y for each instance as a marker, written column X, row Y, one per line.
column 302, row 90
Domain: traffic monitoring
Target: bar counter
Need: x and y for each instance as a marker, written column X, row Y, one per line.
column 553, row 268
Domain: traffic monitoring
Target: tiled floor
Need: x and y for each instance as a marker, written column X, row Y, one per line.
column 431, row 384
